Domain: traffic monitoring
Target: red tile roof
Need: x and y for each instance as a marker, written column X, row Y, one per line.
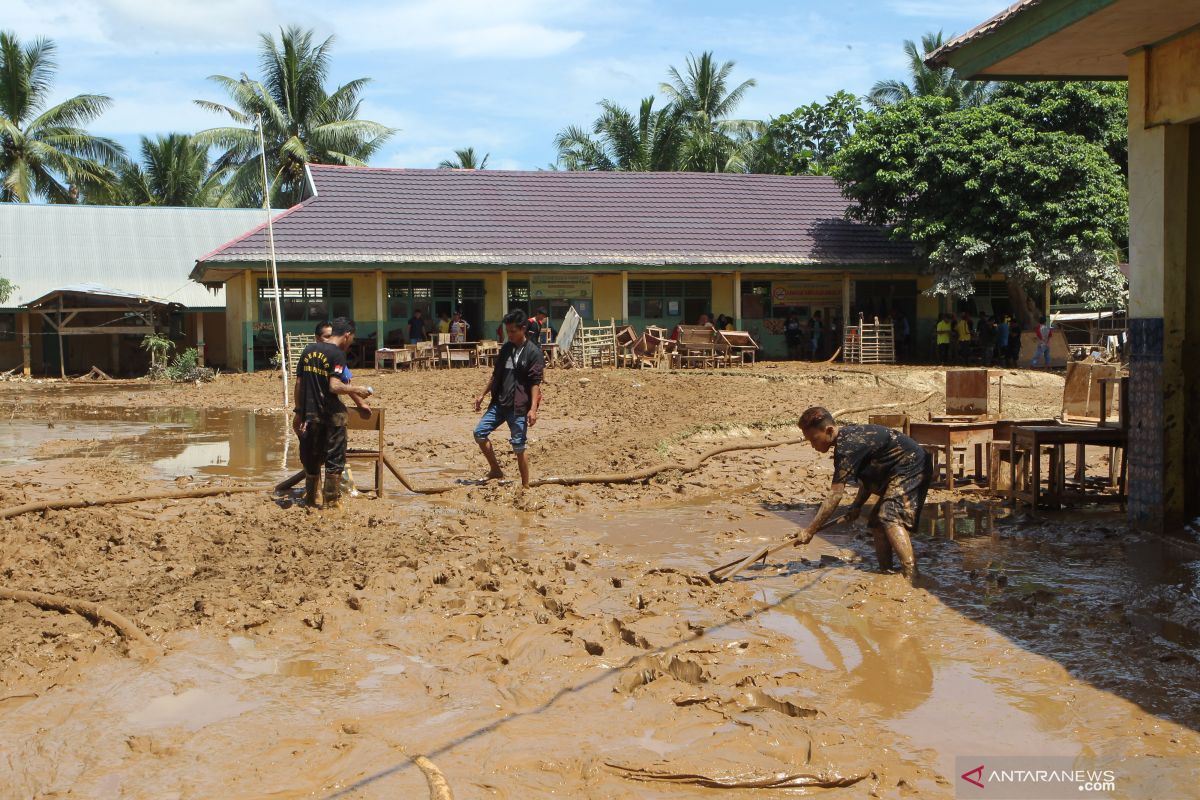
column 372, row 215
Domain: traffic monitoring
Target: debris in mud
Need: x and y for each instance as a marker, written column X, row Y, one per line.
column 739, row 777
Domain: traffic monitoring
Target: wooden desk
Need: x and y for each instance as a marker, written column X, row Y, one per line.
column 397, row 357
column 944, row 437
column 1026, row 443
column 550, row 354
column 461, row 353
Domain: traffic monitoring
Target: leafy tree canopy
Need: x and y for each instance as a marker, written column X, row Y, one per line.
column 991, row 189
column 804, row 141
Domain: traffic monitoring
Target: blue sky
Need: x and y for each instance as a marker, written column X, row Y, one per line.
column 503, row 76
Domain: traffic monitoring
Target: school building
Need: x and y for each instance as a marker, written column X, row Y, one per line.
column 640, row 248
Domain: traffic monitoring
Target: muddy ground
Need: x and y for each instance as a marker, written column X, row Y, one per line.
column 559, row 641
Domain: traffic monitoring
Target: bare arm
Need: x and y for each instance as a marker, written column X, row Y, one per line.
column 338, row 387
column 859, row 500
column 486, row 391
column 535, row 400
column 836, row 492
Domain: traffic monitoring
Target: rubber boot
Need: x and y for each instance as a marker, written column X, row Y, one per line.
column 332, row 493
column 310, row 490
column 902, row 544
column 883, row 549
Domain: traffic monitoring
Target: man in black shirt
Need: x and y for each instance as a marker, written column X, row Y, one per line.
column 883, row 462
column 320, row 416
column 515, row 387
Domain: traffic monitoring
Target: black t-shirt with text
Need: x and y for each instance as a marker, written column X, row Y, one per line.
column 319, row 362
column 871, row 454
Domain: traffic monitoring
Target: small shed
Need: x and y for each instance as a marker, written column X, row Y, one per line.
column 87, row 324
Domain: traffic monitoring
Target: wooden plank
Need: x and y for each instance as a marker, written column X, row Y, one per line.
column 967, row 391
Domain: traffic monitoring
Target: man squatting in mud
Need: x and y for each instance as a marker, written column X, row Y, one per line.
column 319, row 417
column 516, row 390
column 883, row 462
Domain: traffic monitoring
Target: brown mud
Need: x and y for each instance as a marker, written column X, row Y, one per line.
column 560, row 641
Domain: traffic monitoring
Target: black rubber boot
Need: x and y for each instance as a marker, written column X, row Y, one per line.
column 310, row 489
column 332, row 492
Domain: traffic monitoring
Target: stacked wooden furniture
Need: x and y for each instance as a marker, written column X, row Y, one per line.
column 295, row 344
column 698, row 346
column 869, row 342
column 595, row 346
column 1086, row 421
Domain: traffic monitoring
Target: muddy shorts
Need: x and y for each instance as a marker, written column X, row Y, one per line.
column 901, row 500
column 324, row 443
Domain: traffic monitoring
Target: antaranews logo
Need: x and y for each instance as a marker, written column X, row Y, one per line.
column 1031, row 778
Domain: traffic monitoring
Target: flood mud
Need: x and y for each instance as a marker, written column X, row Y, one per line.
column 559, row 641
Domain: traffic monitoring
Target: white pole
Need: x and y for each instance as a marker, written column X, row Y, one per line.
column 283, row 366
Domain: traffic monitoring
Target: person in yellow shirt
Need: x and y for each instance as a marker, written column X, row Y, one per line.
column 943, row 339
column 963, row 329
column 443, row 322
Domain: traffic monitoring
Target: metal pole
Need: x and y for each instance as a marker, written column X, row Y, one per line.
column 283, row 366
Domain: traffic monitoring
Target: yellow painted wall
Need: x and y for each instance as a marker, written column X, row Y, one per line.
column 494, row 301
column 235, row 304
column 1173, row 93
column 722, row 294
column 606, row 297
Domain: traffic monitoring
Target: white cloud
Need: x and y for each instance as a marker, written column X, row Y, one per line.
column 463, row 29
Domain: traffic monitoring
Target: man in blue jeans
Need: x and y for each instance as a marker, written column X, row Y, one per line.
column 516, row 390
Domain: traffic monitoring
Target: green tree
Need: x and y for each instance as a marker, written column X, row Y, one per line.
column 466, row 159
column 650, row 141
column 174, row 171
column 302, row 122
column 1096, row 110
column 713, row 140
column 46, row 152
column 7, row 287
column 927, row 81
column 987, row 190
column 804, row 141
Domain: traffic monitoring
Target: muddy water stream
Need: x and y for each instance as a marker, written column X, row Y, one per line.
column 1065, row 638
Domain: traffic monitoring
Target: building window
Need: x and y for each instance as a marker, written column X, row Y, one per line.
column 518, row 295
column 658, row 300
column 8, row 327
column 432, row 298
column 305, row 300
column 756, row 299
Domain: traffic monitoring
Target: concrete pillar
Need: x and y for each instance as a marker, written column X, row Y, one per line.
column 380, row 307
column 250, row 295
column 625, row 296
column 846, row 299
column 737, row 300
column 200, row 338
column 1158, row 290
column 26, row 345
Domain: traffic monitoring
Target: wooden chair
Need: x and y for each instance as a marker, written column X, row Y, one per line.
column 627, row 342
column 897, row 421
column 423, row 355
column 358, row 419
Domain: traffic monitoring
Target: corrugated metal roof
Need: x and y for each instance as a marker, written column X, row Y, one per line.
column 372, row 215
column 100, row 292
column 140, row 250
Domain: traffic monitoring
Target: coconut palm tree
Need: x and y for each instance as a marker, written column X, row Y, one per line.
column 47, row 153
column 619, row 141
column 302, row 122
column 713, row 141
column 466, row 160
column 174, row 171
column 926, row 81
